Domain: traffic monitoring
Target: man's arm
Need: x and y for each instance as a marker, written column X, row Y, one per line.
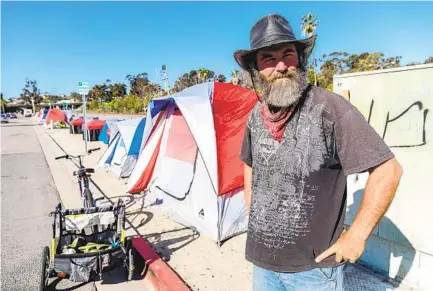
column 378, row 195
column 247, row 186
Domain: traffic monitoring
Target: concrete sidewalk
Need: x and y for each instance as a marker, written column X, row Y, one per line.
column 196, row 259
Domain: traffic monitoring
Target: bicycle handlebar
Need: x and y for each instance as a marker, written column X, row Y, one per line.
column 62, row 157
column 93, row 150
column 79, row 156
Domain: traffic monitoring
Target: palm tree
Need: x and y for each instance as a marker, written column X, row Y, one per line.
column 235, row 77
column 202, row 75
column 309, row 24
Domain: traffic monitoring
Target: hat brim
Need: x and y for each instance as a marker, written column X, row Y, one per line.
column 304, row 46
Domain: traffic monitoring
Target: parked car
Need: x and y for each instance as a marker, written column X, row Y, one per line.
column 4, row 118
column 13, row 115
column 28, row 113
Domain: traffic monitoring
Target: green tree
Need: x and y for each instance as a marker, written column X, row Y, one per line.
column 429, row 60
column 220, row 78
column 192, row 78
column 138, row 83
column 97, row 92
column 309, row 25
column 202, row 75
column 30, row 91
column 115, row 105
column 93, row 105
column 117, row 89
column 205, row 75
column 75, row 96
column 343, row 62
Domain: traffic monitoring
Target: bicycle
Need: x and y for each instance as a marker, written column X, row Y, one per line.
column 83, row 178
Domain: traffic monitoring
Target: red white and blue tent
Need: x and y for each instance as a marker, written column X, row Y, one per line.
column 190, row 157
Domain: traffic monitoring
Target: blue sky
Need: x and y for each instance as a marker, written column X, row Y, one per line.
column 61, row 43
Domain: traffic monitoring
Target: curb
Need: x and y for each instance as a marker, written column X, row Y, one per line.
column 159, row 275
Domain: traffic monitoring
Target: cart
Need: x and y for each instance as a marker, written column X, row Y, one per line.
column 86, row 243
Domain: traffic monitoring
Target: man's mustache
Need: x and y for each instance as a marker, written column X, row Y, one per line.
column 289, row 74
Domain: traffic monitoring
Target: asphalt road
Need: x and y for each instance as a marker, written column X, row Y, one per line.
column 28, row 195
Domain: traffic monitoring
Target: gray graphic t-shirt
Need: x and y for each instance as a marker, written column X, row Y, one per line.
column 299, row 184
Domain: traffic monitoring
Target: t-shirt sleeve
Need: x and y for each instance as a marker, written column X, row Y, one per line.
column 359, row 146
column 246, row 154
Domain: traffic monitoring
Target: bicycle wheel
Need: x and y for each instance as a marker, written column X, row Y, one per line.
column 89, row 198
column 130, row 263
column 45, row 265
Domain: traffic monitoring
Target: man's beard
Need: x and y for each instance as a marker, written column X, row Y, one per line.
column 281, row 89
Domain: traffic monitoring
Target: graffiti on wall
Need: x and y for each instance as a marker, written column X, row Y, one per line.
column 404, row 127
column 411, row 120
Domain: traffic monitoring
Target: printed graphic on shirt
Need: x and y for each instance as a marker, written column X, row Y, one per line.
column 282, row 202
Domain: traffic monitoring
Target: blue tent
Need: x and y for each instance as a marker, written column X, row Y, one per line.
column 103, row 135
column 124, row 146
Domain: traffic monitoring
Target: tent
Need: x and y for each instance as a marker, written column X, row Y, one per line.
column 104, row 135
column 76, row 126
column 191, row 158
column 124, row 147
column 44, row 114
column 93, row 128
column 55, row 115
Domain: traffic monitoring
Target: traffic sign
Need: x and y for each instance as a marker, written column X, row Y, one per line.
column 82, row 84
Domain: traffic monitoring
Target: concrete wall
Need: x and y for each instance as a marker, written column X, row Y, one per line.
column 398, row 104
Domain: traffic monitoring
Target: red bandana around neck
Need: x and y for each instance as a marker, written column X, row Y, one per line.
column 276, row 122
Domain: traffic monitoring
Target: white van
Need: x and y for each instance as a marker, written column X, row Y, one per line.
column 28, row 113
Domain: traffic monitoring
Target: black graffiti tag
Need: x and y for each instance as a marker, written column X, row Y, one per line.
column 421, row 140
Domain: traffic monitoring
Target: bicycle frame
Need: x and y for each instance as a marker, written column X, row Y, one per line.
column 83, row 179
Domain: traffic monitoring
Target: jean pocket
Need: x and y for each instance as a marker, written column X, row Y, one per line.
column 328, row 274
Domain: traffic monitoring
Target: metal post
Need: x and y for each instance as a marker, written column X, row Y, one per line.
column 84, row 121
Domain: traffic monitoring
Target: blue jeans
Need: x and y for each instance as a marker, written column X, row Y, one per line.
column 327, row 279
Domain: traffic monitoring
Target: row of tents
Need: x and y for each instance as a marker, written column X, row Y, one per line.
column 185, row 152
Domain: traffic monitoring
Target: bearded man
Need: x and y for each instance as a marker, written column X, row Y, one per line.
column 300, row 144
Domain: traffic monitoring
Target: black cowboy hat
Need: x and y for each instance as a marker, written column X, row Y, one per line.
column 271, row 30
